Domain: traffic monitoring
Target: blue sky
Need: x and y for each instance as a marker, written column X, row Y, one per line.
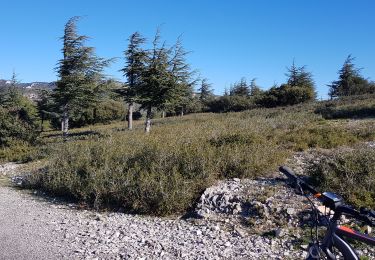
column 227, row 39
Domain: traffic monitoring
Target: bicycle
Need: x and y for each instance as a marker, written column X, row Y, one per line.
column 335, row 234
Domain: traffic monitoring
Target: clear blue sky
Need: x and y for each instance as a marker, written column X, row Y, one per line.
column 228, row 39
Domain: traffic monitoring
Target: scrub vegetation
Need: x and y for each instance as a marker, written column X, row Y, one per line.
column 165, row 171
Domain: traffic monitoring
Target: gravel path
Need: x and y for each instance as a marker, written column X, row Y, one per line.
column 33, row 228
column 26, row 229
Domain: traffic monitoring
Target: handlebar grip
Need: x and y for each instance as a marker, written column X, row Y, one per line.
column 291, row 175
column 288, row 172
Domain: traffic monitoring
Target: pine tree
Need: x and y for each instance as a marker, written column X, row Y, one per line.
column 166, row 79
column 80, row 72
column 300, row 86
column 226, row 92
column 255, row 90
column 44, row 104
column 350, row 81
column 154, row 91
column 12, row 96
column 135, row 66
column 240, row 89
column 205, row 91
column 182, row 81
column 299, row 77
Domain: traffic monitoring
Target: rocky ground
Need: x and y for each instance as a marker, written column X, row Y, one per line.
column 235, row 219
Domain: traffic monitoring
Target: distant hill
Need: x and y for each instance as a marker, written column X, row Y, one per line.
column 30, row 90
column 31, row 85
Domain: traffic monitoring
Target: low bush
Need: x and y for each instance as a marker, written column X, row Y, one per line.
column 332, row 112
column 350, row 173
column 230, row 104
column 17, row 135
column 286, row 95
column 141, row 175
column 166, row 171
column 325, row 136
column 102, row 113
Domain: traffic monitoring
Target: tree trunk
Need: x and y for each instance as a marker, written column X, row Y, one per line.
column 148, row 121
column 163, row 114
column 65, row 121
column 130, row 116
column 182, row 111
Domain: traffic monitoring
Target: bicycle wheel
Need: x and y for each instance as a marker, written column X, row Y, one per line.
column 315, row 252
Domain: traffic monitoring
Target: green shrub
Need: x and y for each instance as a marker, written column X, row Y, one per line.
column 166, row 171
column 102, row 113
column 349, row 173
column 286, row 95
column 142, row 176
column 230, row 104
column 324, row 136
column 359, row 107
column 13, row 128
column 17, row 150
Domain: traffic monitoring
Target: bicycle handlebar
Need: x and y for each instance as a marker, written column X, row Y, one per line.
column 331, row 200
column 363, row 215
column 290, row 174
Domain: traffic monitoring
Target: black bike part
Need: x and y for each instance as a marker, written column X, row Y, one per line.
column 369, row 212
column 290, row 174
column 331, row 200
column 328, row 199
column 359, row 215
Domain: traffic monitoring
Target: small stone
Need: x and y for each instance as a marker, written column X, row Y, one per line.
column 290, row 211
column 116, row 234
column 239, row 232
column 215, row 228
column 279, row 232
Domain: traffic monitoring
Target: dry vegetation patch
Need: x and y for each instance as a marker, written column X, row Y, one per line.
column 166, row 171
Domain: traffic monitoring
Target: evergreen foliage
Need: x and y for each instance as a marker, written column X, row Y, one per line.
column 182, row 81
column 229, row 103
column 299, row 88
column 18, row 118
column 14, row 129
column 255, row 90
column 44, row 105
column 166, row 80
column 205, row 91
column 80, row 72
column 205, row 94
column 350, row 81
column 240, row 89
column 135, row 66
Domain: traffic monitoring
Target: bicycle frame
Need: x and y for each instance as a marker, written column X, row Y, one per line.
column 335, row 233
column 334, row 236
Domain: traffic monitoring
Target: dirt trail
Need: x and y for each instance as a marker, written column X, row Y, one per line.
column 25, row 229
